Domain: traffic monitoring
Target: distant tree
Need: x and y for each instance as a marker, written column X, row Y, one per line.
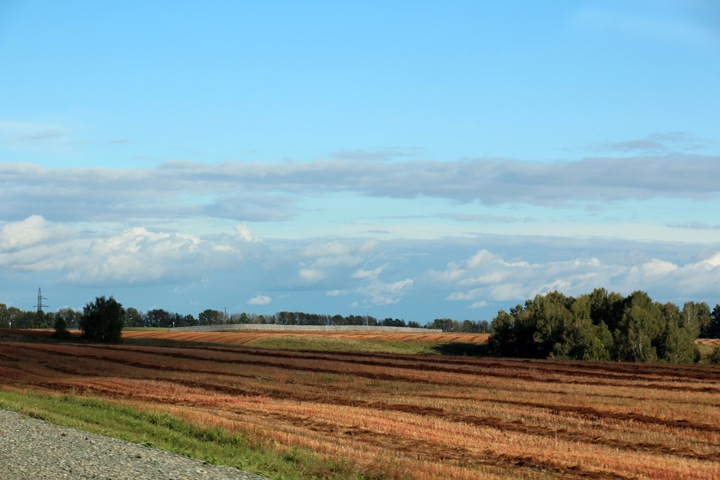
column 133, row 318
column 211, row 317
column 187, row 321
column 713, row 328
column 16, row 318
column 102, row 320
column 23, row 318
column 39, row 319
column 695, row 318
column 61, row 331
column 158, row 317
column 70, row 316
column 640, row 329
column 4, row 316
column 241, row 318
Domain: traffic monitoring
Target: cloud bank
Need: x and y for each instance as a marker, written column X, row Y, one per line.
column 273, row 191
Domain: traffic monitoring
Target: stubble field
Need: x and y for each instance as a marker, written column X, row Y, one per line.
column 408, row 416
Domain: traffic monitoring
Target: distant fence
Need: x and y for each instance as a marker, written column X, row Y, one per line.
column 303, row 328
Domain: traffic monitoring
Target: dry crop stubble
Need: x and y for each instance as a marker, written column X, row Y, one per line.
column 420, row 416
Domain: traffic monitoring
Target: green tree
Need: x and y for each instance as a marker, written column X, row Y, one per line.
column 61, row 331
column 695, row 317
column 133, row 318
column 211, row 317
column 713, row 328
column 640, row 329
column 4, row 316
column 677, row 345
column 503, row 335
column 157, row 317
column 550, row 317
column 581, row 339
column 102, row 320
column 70, row 316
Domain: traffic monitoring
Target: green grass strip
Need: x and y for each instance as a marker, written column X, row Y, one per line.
column 170, row 433
column 405, row 347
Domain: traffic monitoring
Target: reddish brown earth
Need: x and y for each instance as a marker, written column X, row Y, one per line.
column 423, row 416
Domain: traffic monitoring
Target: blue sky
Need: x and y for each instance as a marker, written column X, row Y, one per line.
column 406, row 159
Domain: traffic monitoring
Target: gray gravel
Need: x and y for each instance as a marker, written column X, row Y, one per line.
column 32, row 449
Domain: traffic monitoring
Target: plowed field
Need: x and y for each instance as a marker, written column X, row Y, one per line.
column 412, row 416
column 242, row 337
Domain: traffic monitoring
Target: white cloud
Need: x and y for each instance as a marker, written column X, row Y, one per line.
column 381, row 293
column 657, row 267
column 712, row 262
column 515, row 281
column 244, row 233
column 482, row 257
column 29, row 232
column 311, row 274
column 369, row 274
column 122, row 194
column 336, row 293
column 480, row 304
column 260, row 300
column 135, row 255
column 338, row 253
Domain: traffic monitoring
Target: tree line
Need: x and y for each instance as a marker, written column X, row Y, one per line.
column 603, row 326
column 13, row 317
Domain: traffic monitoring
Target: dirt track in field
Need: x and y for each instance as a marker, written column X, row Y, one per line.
column 438, row 417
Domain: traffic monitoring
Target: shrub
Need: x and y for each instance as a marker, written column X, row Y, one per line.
column 715, row 356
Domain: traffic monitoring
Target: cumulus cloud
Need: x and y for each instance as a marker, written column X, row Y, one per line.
column 484, row 278
column 260, row 300
column 369, row 274
column 29, row 232
column 244, row 233
column 134, row 255
column 319, row 261
column 311, row 275
column 379, row 293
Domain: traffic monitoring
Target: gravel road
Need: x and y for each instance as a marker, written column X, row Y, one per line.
column 32, row 449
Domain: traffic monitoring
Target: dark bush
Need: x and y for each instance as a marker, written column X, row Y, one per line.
column 102, row 320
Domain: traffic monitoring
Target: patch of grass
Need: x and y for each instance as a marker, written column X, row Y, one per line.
column 705, row 352
column 148, row 329
column 164, row 342
column 319, row 344
column 170, row 433
column 409, row 347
